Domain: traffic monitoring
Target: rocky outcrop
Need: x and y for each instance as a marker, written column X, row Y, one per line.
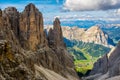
column 96, row 35
column 61, row 58
column 55, row 36
column 93, row 35
column 108, row 65
column 31, row 28
column 13, row 16
column 13, row 64
column 73, row 33
column 114, row 61
column 7, row 28
column 24, row 51
column 102, row 64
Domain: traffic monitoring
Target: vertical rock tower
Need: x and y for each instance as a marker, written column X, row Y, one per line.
column 31, row 28
column 55, row 36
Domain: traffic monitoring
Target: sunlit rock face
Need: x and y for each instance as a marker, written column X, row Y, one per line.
column 93, row 35
column 31, row 28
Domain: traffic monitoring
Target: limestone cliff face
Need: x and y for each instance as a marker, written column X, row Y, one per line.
column 108, row 65
column 94, row 34
column 24, row 51
column 73, row 33
column 31, row 28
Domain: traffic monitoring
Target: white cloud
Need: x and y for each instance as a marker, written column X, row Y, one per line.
column 117, row 12
column 92, row 4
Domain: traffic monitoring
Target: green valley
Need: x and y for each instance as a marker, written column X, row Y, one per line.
column 85, row 54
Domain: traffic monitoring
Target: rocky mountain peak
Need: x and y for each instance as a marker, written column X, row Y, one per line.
column 55, row 36
column 30, row 5
column 56, row 23
column 93, row 35
column 31, row 27
column 10, row 10
column 94, row 28
column 58, row 29
column 95, row 31
column 31, row 8
column 13, row 17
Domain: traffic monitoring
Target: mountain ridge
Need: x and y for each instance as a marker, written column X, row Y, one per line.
column 91, row 35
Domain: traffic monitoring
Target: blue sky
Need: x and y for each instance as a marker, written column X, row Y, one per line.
column 72, row 10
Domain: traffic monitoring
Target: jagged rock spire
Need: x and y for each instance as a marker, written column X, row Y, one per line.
column 57, row 28
column 13, row 17
column 55, row 36
column 31, row 28
column 31, row 7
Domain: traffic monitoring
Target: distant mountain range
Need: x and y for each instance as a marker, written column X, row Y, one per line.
column 87, row 23
column 113, row 32
column 92, row 35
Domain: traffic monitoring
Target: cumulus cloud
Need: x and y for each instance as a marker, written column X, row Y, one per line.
column 117, row 12
column 91, row 4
